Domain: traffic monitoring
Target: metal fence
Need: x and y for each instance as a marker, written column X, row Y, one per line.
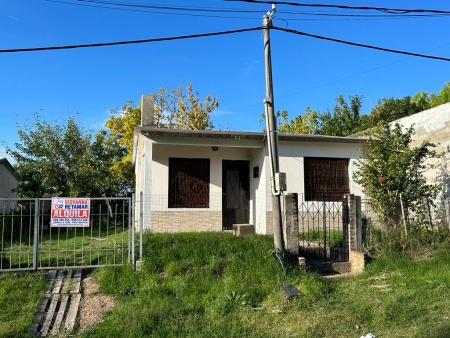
column 323, row 233
column 28, row 242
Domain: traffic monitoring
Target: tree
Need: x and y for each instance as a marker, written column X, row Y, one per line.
column 173, row 109
column 442, row 97
column 62, row 159
column 302, row 124
column 392, row 173
column 345, row 119
column 390, row 109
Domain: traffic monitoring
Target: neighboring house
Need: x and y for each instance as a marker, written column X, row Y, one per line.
column 210, row 180
column 9, row 181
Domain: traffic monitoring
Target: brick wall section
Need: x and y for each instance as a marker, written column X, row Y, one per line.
column 290, row 223
column 354, row 223
column 192, row 221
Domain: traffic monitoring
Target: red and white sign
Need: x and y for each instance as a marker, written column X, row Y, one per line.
column 70, row 212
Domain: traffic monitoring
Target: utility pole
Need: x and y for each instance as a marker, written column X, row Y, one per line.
column 272, row 137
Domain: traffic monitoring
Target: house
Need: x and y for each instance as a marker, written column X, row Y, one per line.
column 210, row 180
column 9, row 182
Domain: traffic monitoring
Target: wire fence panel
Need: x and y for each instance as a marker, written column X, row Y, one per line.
column 28, row 241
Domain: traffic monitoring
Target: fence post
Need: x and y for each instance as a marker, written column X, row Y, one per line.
column 354, row 223
column 324, row 221
column 132, row 238
column 447, row 210
column 36, row 233
column 290, row 223
column 130, row 224
column 141, row 223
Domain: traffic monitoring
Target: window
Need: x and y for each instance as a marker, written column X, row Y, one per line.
column 188, row 183
column 326, row 179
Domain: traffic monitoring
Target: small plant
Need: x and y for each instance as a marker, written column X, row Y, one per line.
column 234, row 297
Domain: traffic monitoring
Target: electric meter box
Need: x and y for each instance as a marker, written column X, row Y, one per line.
column 280, row 181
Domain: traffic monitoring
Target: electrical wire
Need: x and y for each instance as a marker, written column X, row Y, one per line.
column 187, row 11
column 128, row 42
column 103, row 44
column 382, row 9
column 361, row 44
column 150, row 10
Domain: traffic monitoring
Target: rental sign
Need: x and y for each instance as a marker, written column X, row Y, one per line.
column 70, row 212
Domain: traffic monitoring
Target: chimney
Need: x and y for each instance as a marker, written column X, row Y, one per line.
column 147, row 110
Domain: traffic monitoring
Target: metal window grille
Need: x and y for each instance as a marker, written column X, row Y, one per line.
column 326, row 179
column 189, row 182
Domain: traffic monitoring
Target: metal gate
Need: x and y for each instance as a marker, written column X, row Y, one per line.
column 28, row 242
column 323, row 230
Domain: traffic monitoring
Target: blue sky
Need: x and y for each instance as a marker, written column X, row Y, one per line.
column 306, row 72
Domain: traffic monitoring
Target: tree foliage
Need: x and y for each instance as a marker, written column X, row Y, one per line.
column 63, row 159
column 390, row 109
column 392, row 172
column 176, row 109
column 302, row 124
column 345, row 119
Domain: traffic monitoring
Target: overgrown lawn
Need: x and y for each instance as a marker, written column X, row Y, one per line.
column 218, row 285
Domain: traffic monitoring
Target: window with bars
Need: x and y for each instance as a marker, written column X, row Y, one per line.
column 189, row 182
column 326, row 179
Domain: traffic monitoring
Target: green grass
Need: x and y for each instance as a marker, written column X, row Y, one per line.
column 333, row 237
column 19, row 297
column 218, row 285
column 68, row 247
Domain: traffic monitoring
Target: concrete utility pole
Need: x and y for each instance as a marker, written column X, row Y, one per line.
column 272, row 136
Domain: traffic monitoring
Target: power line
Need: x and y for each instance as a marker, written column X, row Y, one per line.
column 382, row 9
column 129, row 42
column 188, row 11
column 361, row 45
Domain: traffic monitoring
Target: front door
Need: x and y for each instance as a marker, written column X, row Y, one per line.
column 235, row 193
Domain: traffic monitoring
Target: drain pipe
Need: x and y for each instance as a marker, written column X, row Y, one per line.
column 269, row 146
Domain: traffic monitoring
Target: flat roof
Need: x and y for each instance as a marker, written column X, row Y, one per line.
column 239, row 135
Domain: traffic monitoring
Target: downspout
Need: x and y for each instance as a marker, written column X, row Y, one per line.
column 269, row 146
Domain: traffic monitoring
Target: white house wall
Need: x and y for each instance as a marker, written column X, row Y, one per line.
column 292, row 155
column 204, row 219
column 152, row 175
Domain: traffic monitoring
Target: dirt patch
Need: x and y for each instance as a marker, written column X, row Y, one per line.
column 93, row 304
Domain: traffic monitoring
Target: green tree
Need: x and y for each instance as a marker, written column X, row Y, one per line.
column 345, row 119
column 442, row 97
column 392, row 173
column 62, row 159
column 176, row 109
column 390, row 109
column 301, row 124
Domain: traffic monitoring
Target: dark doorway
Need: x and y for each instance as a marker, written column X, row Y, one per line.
column 235, row 193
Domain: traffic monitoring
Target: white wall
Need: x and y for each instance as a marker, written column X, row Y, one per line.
column 162, row 152
column 292, row 155
column 434, row 125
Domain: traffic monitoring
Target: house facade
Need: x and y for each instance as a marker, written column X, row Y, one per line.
column 210, row 180
column 9, row 182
